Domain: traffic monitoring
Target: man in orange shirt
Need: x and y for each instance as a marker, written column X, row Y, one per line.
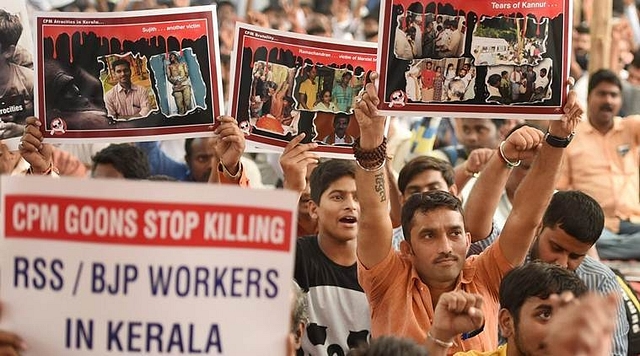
column 602, row 161
column 403, row 288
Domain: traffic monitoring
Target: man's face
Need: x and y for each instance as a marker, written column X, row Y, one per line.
column 531, row 328
column 634, row 76
column 429, row 65
column 478, row 133
column 173, row 58
column 313, row 73
column 106, row 170
column 604, row 103
column 424, row 182
column 554, row 245
column 581, row 43
column 202, row 151
column 123, row 74
column 438, row 245
column 346, row 79
column 338, row 211
column 340, row 127
column 462, row 72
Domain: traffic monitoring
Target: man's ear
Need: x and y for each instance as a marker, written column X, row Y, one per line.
column 453, row 189
column 405, row 248
column 8, row 52
column 313, row 210
column 506, row 323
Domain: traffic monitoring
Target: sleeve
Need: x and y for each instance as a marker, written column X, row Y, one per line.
column 477, row 247
column 491, row 266
column 161, row 163
column 620, row 340
column 145, row 106
column 379, row 278
column 242, row 181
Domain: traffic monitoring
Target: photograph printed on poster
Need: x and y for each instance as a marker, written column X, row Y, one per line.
column 179, row 83
column 144, row 74
column 285, row 85
column 16, row 92
column 419, row 40
column 519, row 84
column 441, row 80
column 429, row 35
column 509, row 41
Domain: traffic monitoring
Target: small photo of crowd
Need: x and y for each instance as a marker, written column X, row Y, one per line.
column 126, row 85
column 325, row 89
column 509, row 41
column 429, row 35
column 271, row 106
column 519, row 84
column 443, row 80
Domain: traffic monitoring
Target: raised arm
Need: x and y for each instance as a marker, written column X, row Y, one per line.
column 374, row 226
column 485, row 195
column 533, row 195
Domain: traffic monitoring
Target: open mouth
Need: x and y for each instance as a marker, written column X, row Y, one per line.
column 348, row 220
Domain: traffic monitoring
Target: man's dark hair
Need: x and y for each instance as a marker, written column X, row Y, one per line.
column 328, row 172
column 341, row 115
column 421, row 164
column 494, row 80
column 582, row 28
column 119, row 62
column 188, row 149
column 127, row 159
column 10, row 30
column 536, row 279
column 389, row 345
column 578, row 214
column 424, row 203
column 606, row 76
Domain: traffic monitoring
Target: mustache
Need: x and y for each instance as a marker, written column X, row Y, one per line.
column 446, row 256
column 606, row 107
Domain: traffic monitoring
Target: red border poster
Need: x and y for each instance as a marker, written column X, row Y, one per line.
column 477, row 58
column 284, row 84
column 128, row 76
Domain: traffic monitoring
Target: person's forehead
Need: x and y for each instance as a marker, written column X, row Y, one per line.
column 342, row 184
column 477, row 122
column 201, row 145
column 606, row 87
column 432, row 175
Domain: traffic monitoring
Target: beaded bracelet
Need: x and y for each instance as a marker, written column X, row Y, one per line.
column 370, row 160
column 504, row 158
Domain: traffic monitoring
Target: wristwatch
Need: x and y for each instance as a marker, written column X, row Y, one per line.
column 556, row 141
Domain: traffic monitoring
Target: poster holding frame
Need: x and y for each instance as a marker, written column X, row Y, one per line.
column 284, row 84
column 477, row 58
column 128, row 76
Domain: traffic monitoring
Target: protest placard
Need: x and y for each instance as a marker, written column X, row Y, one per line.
column 284, row 84
column 16, row 96
column 128, row 76
column 482, row 58
column 95, row 267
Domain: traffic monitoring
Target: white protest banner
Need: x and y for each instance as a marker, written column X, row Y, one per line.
column 95, row 267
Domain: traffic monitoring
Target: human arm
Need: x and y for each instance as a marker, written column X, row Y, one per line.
column 295, row 160
column 374, row 224
column 38, row 154
column 145, row 105
column 161, row 163
column 395, row 204
column 536, row 189
column 484, row 197
column 457, row 312
column 229, row 147
column 478, row 158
